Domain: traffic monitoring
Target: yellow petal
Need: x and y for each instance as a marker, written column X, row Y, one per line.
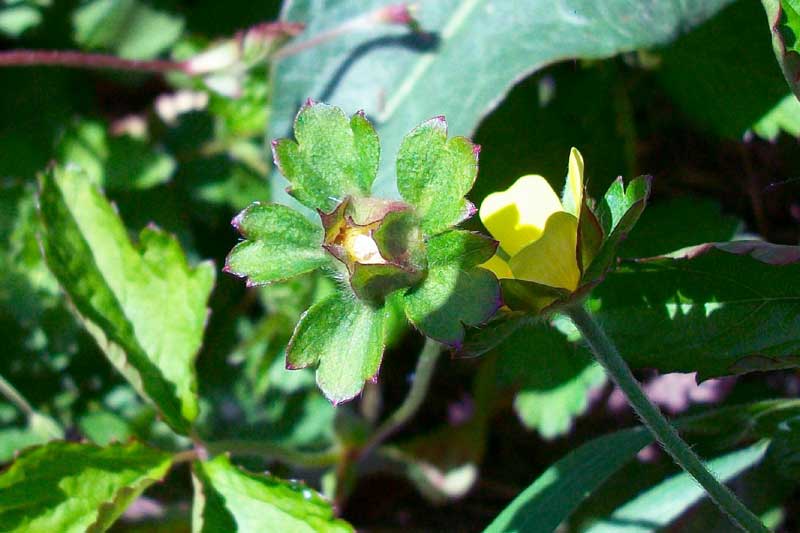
column 573, row 191
column 551, row 260
column 516, row 216
column 499, row 266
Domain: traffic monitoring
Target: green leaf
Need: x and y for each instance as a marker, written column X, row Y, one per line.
column 346, row 338
column 699, row 76
column 434, row 175
column 18, row 16
column 130, row 28
column 717, row 310
column 554, row 377
column 40, row 429
column 562, row 487
column 784, row 117
column 332, row 158
column 126, row 294
column 655, row 508
column 784, row 451
column 456, row 293
column 403, row 80
column 230, row 499
column 666, row 226
column 72, row 488
column 618, row 213
column 114, row 162
column 784, row 21
column 280, row 244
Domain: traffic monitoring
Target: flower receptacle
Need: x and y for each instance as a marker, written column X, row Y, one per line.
column 379, row 242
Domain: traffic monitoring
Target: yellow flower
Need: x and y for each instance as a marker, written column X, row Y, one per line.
column 538, row 233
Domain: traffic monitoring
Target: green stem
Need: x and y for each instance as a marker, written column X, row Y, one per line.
column 608, row 356
column 13, row 396
column 269, row 451
column 426, row 364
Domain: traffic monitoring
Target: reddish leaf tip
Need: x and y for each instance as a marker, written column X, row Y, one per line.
column 310, row 102
column 476, row 150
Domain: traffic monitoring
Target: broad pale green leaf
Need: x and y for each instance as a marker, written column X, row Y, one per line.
column 657, row 507
column 784, row 21
column 699, row 76
column 455, row 293
column 434, row 175
column 618, row 213
column 717, row 310
column 114, row 162
column 230, row 499
column 332, row 158
column 465, row 66
column 144, row 305
column 280, row 244
column 562, row 487
column 130, row 28
column 74, row 488
column 554, row 377
column 345, row 336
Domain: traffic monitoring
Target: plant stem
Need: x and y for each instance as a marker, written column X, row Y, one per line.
column 426, row 364
column 71, row 58
column 13, row 396
column 269, row 451
column 608, row 356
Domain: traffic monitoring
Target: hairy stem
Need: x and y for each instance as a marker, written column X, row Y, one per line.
column 13, row 396
column 608, row 356
column 426, row 364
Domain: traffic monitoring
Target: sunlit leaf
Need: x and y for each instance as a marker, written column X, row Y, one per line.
column 230, row 499
column 73, row 488
column 144, row 305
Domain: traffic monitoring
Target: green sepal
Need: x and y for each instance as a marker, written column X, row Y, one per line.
column 489, row 336
column 379, row 242
column 71, row 487
column 456, row 292
column 332, row 158
column 529, row 296
column 230, row 499
column 280, row 244
column 373, row 283
column 344, row 336
column 617, row 213
column 435, row 174
column 590, row 237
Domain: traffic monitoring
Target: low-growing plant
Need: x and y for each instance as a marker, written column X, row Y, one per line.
column 373, row 266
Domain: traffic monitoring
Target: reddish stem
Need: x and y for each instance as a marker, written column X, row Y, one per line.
column 69, row 58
